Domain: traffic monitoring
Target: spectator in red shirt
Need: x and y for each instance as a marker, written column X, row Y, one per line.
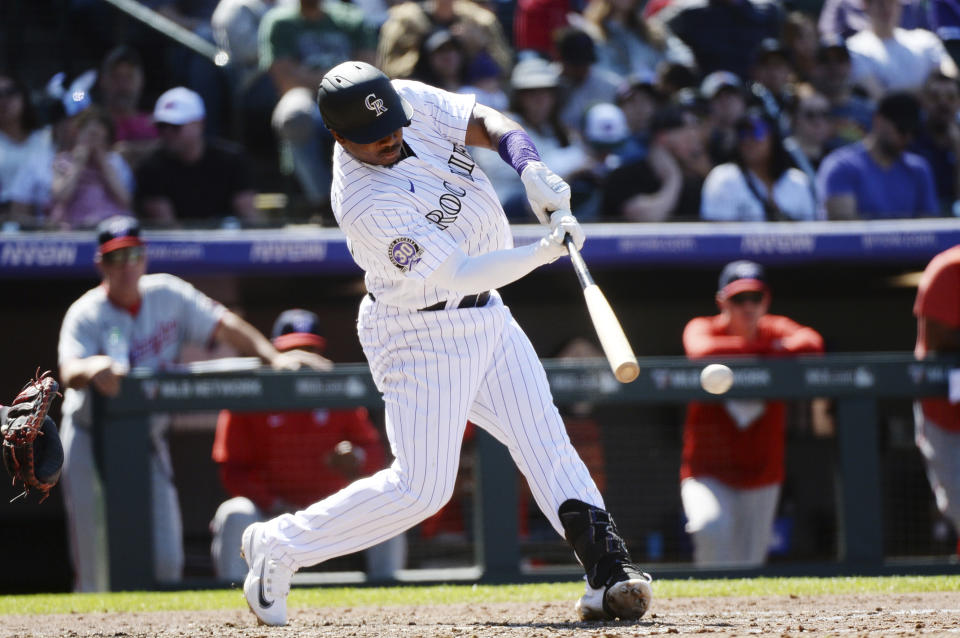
column 536, row 23
column 733, row 451
column 938, row 420
column 272, row 463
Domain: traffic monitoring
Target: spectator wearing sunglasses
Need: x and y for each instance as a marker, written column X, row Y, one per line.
column 878, row 178
column 811, row 126
column 760, row 184
column 190, row 181
column 811, row 131
column 135, row 320
column 732, row 465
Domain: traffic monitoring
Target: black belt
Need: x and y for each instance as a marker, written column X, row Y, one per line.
column 470, row 301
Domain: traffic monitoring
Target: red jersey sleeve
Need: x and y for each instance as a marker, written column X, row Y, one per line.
column 938, row 296
column 784, row 335
column 704, row 337
column 235, row 449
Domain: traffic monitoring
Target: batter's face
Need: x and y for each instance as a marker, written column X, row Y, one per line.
column 383, row 152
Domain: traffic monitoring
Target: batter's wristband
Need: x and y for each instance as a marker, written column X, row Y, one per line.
column 517, row 149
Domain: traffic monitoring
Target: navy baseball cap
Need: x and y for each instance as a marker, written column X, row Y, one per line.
column 297, row 328
column 741, row 276
column 119, row 231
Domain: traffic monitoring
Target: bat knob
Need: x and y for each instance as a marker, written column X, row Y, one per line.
column 627, row 372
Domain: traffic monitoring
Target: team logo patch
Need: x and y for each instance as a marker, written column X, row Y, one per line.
column 375, row 104
column 404, row 253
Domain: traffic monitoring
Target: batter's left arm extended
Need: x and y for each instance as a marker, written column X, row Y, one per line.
column 487, row 127
column 546, row 191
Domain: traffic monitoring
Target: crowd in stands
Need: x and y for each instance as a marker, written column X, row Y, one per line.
column 652, row 110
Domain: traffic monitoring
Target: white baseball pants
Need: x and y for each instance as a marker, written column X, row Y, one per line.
column 436, row 370
column 235, row 514
column 730, row 526
column 83, row 498
column 941, row 453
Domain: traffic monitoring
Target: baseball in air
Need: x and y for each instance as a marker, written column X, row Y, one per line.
column 716, row 378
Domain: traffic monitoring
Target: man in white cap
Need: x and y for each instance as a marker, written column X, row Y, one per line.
column 190, row 180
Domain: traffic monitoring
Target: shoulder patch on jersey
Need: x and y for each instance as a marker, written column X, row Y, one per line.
column 404, row 253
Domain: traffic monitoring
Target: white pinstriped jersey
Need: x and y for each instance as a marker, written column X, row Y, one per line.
column 404, row 220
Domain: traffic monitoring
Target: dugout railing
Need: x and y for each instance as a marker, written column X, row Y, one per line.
column 855, row 381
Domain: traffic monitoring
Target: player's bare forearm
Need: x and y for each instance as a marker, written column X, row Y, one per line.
column 247, row 340
column 101, row 372
column 487, row 126
column 78, row 373
column 700, row 341
column 803, row 341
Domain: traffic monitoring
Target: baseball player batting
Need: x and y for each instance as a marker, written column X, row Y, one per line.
column 426, row 226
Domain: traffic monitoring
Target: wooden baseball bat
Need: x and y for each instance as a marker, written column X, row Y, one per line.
column 615, row 345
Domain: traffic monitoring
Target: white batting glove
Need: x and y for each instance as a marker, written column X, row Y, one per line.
column 546, row 191
column 562, row 223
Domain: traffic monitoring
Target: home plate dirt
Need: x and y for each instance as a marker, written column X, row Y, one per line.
column 931, row 614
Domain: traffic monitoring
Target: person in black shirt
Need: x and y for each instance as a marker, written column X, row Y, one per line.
column 743, row 23
column 190, row 180
column 665, row 185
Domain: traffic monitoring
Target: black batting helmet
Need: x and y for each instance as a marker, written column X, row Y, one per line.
column 357, row 101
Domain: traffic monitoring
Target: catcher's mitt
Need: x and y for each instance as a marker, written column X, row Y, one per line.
column 32, row 452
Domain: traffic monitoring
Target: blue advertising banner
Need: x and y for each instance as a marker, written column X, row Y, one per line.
column 318, row 251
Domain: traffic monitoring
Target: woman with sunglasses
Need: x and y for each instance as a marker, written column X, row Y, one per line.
column 761, row 183
column 812, row 128
column 733, row 451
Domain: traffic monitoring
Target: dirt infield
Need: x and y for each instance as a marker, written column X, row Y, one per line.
column 859, row 615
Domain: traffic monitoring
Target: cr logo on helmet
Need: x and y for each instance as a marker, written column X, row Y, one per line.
column 375, row 104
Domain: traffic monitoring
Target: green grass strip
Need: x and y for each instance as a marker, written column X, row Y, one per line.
column 450, row 594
